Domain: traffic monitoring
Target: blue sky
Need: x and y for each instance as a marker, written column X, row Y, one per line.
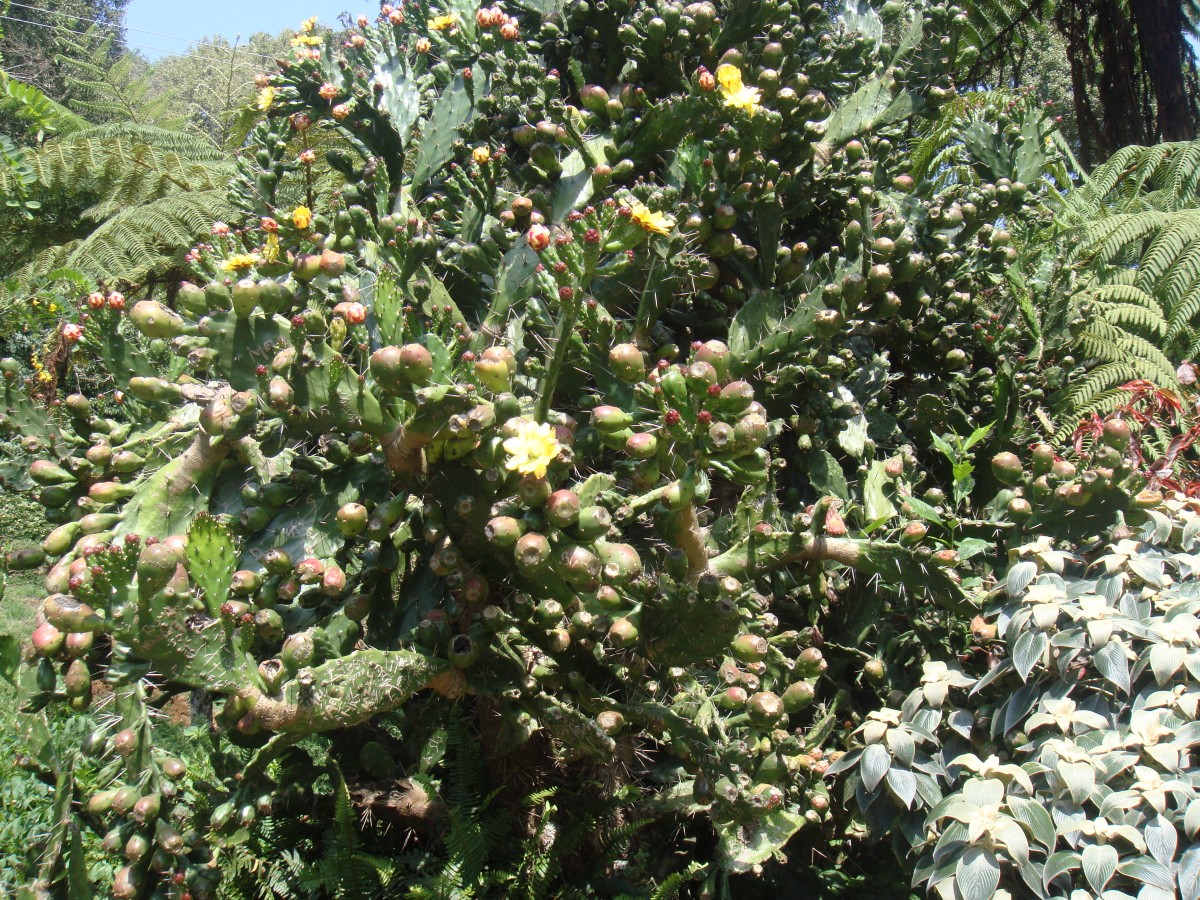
column 195, row 19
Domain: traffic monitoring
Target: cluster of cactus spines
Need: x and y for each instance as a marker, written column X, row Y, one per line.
column 480, row 424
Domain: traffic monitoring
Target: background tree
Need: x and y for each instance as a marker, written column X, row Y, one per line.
column 1132, row 72
column 38, row 36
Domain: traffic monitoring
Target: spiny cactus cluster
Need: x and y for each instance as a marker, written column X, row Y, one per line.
column 548, row 409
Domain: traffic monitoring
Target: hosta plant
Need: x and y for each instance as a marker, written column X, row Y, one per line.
column 1056, row 758
column 570, row 411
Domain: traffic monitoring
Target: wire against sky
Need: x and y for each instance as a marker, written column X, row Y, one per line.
column 122, row 27
column 142, row 46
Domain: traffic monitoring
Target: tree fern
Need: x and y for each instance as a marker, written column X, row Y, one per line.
column 1133, row 237
column 119, row 203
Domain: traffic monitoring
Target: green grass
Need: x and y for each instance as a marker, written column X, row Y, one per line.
column 17, row 609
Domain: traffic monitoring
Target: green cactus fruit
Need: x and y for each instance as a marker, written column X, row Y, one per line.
column 766, row 708
column 126, row 462
column 700, row 376
column 94, row 523
column 493, row 374
column 797, row 696
column 61, row 539
column 641, row 446
column 246, row 295
column 562, row 508
column 913, row 534
column 154, row 320
column 749, row 647
column 1117, row 434
column 331, row 264
column 578, row 565
column 502, row 531
column 811, row 662
column 124, row 800
column 78, row 680
column 306, row 267
column 79, row 644
column 610, row 419
column 717, row 355
column 750, row 432
column 100, row 803
column 735, row 397
column 733, row 698
column 627, row 363
column 593, row 522
column 611, row 722
column 45, row 472
column 268, row 625
column 298, row 651
column 173, row 767
column 156, row 565
column 621, row 562
column 548, row 613
column 47, row 640
column 147, row 808
column 137, row 847
column 1007, row 468
column 191, row 299
column 874, row 669
column 245, row 582
column 623, row 633
column 168, row 839
column 352, row 519
column 464, row 651
column 129, row 882
column 594, row 97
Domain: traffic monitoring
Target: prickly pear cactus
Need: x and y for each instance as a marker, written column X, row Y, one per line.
column 546, row 413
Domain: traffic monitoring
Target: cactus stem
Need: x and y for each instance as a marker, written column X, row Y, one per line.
column 404, row 450
column 562, row 346
column 688, row 537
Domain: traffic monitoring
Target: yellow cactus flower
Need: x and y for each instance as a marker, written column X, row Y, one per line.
column 443, row 23
column 240, row 262
column 532, row 449
column 656, row 222
column 308, row 24
column 302, row 217
column 306, row 40
column 481, row 155
column 735, row 93
column 270, row 250
column 266, row 97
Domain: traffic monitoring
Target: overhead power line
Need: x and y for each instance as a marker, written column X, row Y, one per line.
column 139, row 46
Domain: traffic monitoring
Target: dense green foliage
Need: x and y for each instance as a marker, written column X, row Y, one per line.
column 556, row 466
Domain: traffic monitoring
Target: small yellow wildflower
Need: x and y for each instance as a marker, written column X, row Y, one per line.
column 240, row 261
column 657, row 222
column 43, row 376
column 266, row 97
column 443, row 23
column 270, row 250
column 735, row 93
column 532, row 450
column 53, row 307
column 302, row 217
column 308, row 25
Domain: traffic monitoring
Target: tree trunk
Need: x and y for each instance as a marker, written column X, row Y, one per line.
column 1160, row 31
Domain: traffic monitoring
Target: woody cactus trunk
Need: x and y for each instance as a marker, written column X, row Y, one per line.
column 543, row 411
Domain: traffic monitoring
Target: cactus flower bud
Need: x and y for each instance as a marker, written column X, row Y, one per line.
column 538, row 237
